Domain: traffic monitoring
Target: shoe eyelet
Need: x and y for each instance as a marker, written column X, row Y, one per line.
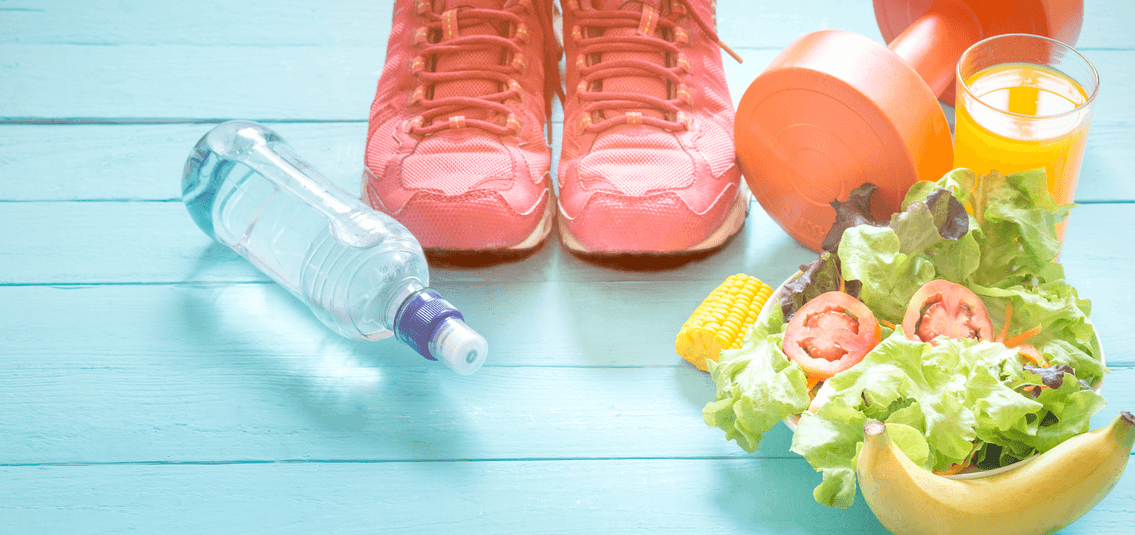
column 421, row 36
column 409, row 125
column 417, row 65
column 680, row 36
column 514, row 123
column 449, row 27
column 418, row 94
column 685, row 120
column 582, row 87
column 580, row 63
column 584, row 122
column 424, row 6
column 577, row 33
column 520, row 64
column 684, row 94
column 648, row 22
column 515, row 87
column 521, row 33
column 683, row 63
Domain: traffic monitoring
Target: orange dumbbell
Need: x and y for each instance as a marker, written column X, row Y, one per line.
column 835, row 109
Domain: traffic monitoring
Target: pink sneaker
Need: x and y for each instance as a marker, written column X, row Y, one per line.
column 648, row 165
column 455, row 147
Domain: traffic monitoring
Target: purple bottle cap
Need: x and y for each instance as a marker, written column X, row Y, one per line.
column 437, row 331
column 419, row 318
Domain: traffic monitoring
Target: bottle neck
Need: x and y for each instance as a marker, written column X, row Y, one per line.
column 398, row 299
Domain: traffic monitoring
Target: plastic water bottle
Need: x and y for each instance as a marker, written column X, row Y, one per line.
column 360, row 271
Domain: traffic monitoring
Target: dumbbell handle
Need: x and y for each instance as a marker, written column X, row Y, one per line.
column 934, row 43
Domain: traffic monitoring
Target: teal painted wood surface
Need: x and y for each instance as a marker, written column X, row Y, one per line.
column 154, row 382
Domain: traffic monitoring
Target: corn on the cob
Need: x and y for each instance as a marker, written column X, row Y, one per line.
column 721, row 321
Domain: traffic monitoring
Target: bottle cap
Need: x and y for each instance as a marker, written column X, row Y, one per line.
column 459, row 346
column 437, row 331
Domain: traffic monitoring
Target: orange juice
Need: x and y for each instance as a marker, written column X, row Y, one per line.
column 1018, row 116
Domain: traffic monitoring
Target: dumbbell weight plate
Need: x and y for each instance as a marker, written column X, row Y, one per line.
column 834, row 110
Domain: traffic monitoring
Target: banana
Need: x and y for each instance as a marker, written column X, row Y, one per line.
column 1048, row 492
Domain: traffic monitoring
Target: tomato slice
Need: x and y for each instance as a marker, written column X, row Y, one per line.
column 944, row 308
column 831, row 333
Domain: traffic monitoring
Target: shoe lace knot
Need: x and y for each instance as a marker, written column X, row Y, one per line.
column 468, row 62
column 632, row 63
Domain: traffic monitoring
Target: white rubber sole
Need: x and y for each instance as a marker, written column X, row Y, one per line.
column 734, row 220
column 537, row 237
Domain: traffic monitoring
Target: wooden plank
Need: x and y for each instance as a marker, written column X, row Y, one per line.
column 657, row 496
column 358, row 22
column 623, row 324
column 304, row 82
column 704, row 496
column 226, row 407
column 99, row 166
column 186, row 81
column 199, row 23
column 554, row 323
column 56, row 243
column 200, row 385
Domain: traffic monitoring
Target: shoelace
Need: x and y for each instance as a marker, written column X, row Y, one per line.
column 454, row 109
column 644, row 40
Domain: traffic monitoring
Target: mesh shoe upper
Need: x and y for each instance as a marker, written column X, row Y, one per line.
column 455, row 145
column 648, row 163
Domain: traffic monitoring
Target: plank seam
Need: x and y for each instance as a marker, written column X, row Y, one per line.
column 391, row 461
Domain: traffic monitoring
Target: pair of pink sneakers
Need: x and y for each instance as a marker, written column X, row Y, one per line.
column 456, row 146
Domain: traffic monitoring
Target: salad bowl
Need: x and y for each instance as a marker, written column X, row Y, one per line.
column 971, row 472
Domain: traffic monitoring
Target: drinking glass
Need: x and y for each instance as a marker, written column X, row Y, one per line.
column 1024, row 102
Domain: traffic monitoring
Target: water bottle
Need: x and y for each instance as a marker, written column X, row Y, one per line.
column 360, row 271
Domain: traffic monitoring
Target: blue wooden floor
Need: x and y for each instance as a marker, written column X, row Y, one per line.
column 154, row 382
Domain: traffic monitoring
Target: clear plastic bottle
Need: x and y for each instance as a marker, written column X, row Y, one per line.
column 360, row 271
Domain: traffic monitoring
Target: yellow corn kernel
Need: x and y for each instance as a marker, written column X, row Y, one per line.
column 721, row 321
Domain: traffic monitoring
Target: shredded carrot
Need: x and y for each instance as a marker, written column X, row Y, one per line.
column 1008, row 316
column 888, row 324
column 953, row 469
column 812, row 382
column 1020, row 338
column 957, row 467
column 1032, row 353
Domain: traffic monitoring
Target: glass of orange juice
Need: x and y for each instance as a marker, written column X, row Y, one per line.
column 1024, row 102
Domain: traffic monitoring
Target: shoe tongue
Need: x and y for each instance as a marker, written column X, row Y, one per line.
column 473, row 58
column 647, row 84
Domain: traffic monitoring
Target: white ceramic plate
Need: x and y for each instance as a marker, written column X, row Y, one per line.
column 969, row 473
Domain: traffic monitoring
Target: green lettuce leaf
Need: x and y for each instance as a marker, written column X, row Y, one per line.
column 757, row 386
column 1065, row 412
column 1014, row 218
column 873, row 256
column 830, row 440
column 953, row 394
